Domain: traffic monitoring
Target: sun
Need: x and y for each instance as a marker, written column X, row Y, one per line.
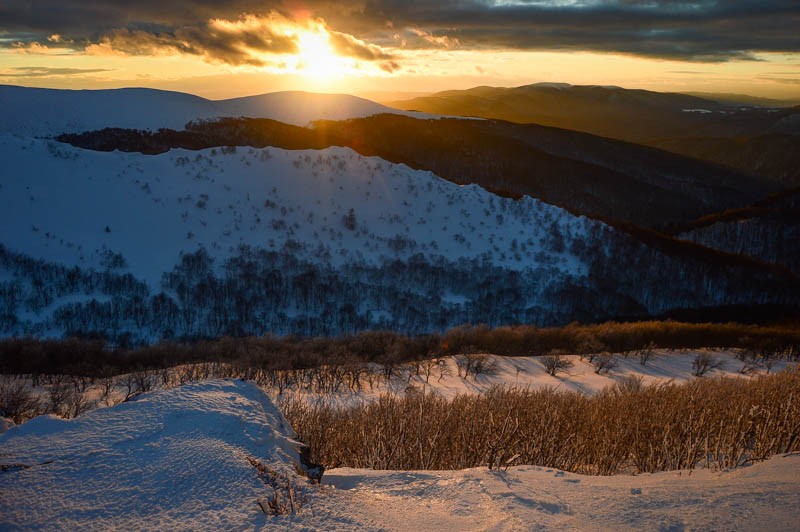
column 316, row 58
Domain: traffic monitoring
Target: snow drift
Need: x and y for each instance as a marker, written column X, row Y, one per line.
column 185, row 458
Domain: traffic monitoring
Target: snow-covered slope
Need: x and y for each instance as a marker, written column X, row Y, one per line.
column 75, row 206
column 48, row 112
column 184, row 459
column 332, row 209
column 764, row 496
column 445, row 377
column 176, row 459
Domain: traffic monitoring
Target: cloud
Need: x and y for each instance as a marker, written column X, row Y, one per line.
column 347, row 45
column 785, row 81
column 689, row 30
column 42, row 72
column 239, row 42
column 246, row 40
column 699, row 30
column 427, row 39
column 390, row 66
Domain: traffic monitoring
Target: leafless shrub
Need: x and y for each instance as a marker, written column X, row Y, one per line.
column 715, row 422
column 145, row 380
column 588, row 346
column 444, row 369
column 286, row 498
column 77, row 402
column 704, row 363
column 767, row 361
column 750, row 366
column 427, row 368
column 81, row 382
column 604, row 363
column 188, row 374
column 17, row 400
column 475, row 364
column 646, row 353
column 106, row 385
column 130, row 383
column 66, row 398
column 167, row 376
column 58, row 393
column 484, row 365
column 555, row 363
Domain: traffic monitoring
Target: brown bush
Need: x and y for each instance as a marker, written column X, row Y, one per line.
column 94, row 358
column 716, row 422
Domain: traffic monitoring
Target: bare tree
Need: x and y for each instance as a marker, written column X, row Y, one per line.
column 555, row 363
column 444, row 369
column 705, row 362
column 646, row 353
column 604, row 363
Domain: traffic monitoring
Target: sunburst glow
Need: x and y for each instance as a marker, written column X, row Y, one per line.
column 317, row 58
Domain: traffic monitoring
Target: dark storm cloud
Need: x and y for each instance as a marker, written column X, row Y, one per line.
column 701, row 30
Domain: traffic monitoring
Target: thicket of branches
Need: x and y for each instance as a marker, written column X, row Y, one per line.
column 720, row 422
column 95, row 358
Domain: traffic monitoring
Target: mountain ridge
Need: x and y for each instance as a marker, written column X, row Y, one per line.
column 48, row 112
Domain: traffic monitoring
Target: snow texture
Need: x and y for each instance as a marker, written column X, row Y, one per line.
column 174, row 459
column 760, row 497
column 74, row 207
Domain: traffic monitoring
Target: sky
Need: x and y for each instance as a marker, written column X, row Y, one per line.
column 222, row 49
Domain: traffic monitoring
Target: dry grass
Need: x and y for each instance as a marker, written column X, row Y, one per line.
column 708, row 422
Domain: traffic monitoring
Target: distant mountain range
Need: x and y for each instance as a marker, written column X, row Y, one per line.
column 762, row 141
column 231, row 225
column 47, row 112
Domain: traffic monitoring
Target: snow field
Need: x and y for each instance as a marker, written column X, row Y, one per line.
column 174, row 459
column 75, row 207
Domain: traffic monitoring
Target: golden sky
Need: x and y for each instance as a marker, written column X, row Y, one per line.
column 227, row 49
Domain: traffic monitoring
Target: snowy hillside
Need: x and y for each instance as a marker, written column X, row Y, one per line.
column 334, row 206
column 181, row 458
column 47, row 112
column 445, row 376
column 190, row 214
column 202, row 457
